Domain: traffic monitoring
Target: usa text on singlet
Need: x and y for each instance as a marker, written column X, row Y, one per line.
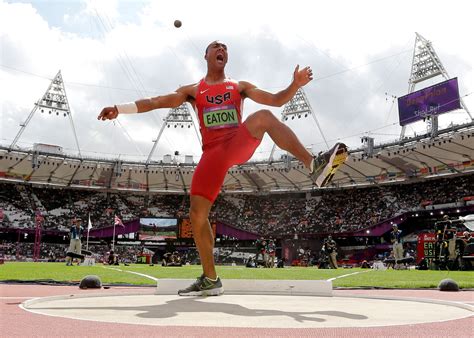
column 219, row 110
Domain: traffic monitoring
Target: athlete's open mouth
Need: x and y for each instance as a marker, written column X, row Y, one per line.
column 220, row 58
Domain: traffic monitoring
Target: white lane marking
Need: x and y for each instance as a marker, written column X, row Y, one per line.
column 135, row 273
column 349, row 274
column 156, row 279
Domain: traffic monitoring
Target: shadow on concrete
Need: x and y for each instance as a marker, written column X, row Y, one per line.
column 195, row 304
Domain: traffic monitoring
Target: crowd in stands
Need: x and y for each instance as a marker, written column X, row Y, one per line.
column 16, row 209
column 337, row 210
column 322, row 211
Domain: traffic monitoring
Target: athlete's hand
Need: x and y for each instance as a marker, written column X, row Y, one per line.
column 108, row 113
column 303, row 76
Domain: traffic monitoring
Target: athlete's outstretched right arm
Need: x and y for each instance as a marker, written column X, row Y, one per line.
column 172, row 100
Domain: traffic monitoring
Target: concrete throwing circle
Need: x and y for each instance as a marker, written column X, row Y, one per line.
column 249, row 311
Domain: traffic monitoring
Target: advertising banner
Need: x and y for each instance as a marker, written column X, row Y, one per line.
column 434, row 100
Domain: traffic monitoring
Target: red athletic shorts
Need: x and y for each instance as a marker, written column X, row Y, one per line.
column 218, row 158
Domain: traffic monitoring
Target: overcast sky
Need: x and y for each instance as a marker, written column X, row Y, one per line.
column 113, row 51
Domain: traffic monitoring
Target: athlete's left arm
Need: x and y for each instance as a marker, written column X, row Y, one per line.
column 300, row 78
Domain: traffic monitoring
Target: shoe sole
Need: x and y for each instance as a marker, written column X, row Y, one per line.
column 204, row 293
column 338, row 157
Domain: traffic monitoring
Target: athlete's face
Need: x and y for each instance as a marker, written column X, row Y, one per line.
column 216, row 55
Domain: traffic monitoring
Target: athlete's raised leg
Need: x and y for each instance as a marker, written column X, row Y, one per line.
column 322, row 168
column 263, row 121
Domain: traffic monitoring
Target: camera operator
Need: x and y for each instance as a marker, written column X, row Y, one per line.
column 260, row 247
column 467, row 238
column 331, row 250
column 323, row 256
column 445, row 245
column 396, row 239
column 166, row 259
column 75, row 235
column 176, row 259
column 112, row 259
column 271, row 252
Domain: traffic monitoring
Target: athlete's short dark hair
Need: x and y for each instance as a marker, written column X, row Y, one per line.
column 218, row 41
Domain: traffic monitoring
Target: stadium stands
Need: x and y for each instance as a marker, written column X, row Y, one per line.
column 330, row 210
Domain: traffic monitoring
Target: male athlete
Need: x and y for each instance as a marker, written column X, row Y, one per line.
column 227, row 141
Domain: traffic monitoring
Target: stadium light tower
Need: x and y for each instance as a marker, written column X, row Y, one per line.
column 177, row 117
column 368, row 143
column 55, row 101
column 298, row 106
column 425, row 65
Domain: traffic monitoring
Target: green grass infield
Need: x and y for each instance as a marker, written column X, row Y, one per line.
column 109, row 275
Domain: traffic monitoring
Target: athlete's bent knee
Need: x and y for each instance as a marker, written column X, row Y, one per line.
column 264, row 118
column 260, row 122
column 265, row 115
column 197, row 216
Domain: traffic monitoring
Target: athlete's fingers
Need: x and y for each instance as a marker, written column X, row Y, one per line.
column 108, row 113
column 103, row 114
column 306, row 71
column 297, row 68
column 309, row 73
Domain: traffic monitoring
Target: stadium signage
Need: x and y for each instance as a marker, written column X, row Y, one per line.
column 440, row 98
column 426, row 246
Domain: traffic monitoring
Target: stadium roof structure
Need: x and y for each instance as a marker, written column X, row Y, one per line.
column 450, row 153
column 439, row 152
